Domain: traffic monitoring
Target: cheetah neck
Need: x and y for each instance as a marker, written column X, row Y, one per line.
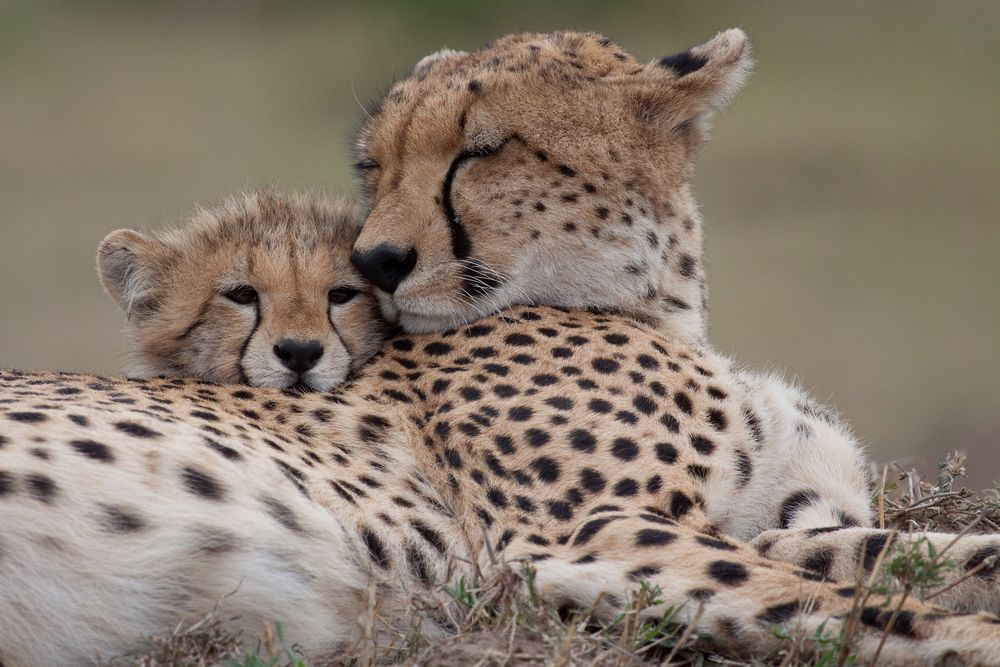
column 676, row 300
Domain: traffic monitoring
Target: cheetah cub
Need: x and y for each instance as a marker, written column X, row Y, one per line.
column 258, row 290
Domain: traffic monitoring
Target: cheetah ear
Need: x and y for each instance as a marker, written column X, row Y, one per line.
column 690, row 86
column 130, row 266
column 427, row 62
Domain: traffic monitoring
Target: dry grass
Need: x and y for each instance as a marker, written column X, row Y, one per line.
column 502, row 621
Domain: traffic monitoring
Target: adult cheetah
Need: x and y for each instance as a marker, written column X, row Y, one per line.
column 601, row 449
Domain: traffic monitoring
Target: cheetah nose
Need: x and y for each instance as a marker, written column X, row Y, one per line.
column 298, row 355
column 385, row 265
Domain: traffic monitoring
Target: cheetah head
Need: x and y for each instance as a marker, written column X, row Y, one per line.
column 543, row 169
column 259, row 290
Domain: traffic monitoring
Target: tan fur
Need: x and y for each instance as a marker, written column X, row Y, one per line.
column 290, row 249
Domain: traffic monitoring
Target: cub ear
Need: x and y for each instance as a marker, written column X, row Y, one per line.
column 423, row 67
column 130, row 266
column 690, row 86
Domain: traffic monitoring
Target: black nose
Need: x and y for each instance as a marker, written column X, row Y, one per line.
column 385, row 265
column 298, row 355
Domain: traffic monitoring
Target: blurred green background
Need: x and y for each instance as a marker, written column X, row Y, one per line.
column 851, row 196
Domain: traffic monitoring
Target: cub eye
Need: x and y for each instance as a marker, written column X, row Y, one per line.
column 243, row 295
column 339, row 295
column 365, row 165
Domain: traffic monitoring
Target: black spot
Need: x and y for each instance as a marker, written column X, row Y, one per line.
column 225, row 451
column 403, row 344
column 453, row 458
column 95, row 450
column 871, row 547
column 644, row 404
column 780, row 613
column 376, row 550
column 714, row 543
column 616, row 339
column 624, row 449
column 437, row 348
column 653, row 537
column 537, row 437
column 26, row 417
column 683, row 63
column 582, row 440
column 525, row 504
column 201, row 483
column 644, row 572
column 474, row 86
column 882, row 618
column 79, row 420
column 505, row 390
column 687, row 265
column 654, row 484
column 665, row 452
column 680, row 504
column 683, row 402
column 432, row 536
column 727, row 572
column 820, row 562
column 118, row 520
column 559, row 403
column 470, row 393
column 794, row 504
column 717, row 418
column 702, row 444
column 744, row 466
column 591, row 528
column 981, row 556
column 136, row 430
column 560, row 510
column 546, row 468
column 566, row 171
column 670, row 422
column 520, row 413
column 600, row 406
column 605, row 365
column 626, row 487
column 698, row 471
column 6, row 483
column 592, row 480
column 601, row 212
column 496, row 497
column 701, row 594
column 505, row 444
column 41, row 487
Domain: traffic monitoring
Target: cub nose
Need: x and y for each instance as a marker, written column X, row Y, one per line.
column 298, row 355
column 385, row 265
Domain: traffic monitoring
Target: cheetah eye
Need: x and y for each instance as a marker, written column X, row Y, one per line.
column 488, row 149
column 339, row 295
column 243, row 295
column 365, row 165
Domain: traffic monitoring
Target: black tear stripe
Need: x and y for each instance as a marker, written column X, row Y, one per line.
column 461, row 245
column 243, row 348
column 795, row 503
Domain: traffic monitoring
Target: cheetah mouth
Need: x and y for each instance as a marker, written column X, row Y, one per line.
column 448, row 295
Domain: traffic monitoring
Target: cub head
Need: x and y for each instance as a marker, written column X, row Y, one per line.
column 543, row 169
column 259, row 290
